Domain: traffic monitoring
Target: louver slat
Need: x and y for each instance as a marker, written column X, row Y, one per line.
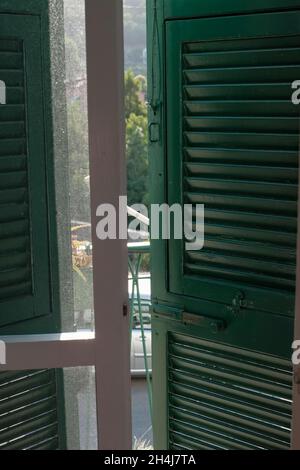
column 240, row 158
column 227, row 398
column 28, row 410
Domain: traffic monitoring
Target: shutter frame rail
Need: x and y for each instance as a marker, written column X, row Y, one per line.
column 33, row 352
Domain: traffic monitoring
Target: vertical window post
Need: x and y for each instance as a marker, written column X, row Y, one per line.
column 105, row 71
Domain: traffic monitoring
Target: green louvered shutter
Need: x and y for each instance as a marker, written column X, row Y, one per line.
column 25, row 289
column 233, row 145
column 223, row 316
column 29, row 417
column 31, row 402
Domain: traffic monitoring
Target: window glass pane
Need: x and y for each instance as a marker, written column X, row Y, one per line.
column 78, row 153
column 80, row 407
column 138, row 192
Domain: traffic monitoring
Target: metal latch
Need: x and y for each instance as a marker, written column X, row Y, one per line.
column 215, row 325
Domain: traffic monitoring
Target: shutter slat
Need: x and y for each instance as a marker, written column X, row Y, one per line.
column 13, row 212
column 12, row 77
column 280, row 190
column 251, row 124
column 11, row 113
column 10, row 45
column 238, row 58
column 13, row 180
column 15, row 95
column 241, row 91
column 12, row 229
column 243, row 108
column 10, row 130
column 253, row 44
column 250, row 140
column 245, row 172
column 14, row 244
column 245, row 156
column 11, row 196
column 237, row 75
column 14, row 277
column 12, row 147
column 12, row 163
column 10, row 60
column 271, row 206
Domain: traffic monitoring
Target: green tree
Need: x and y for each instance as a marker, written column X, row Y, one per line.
column 137, row 159
column 78, row 162
column 136, row 139
column 133, row 92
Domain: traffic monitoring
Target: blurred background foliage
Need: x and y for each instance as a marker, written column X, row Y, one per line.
column 135, row 106
column 136, row 128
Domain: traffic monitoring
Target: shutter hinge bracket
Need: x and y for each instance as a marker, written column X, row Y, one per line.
column 125, row 310
column 154, row 132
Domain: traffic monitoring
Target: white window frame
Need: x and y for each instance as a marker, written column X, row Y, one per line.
column 109, row 348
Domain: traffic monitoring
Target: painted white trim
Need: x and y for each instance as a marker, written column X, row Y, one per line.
column 49, row 351
column 57, row 337
column 105, row 71
column 109, row 351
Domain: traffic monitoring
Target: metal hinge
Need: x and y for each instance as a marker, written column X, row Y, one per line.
column 125, row 310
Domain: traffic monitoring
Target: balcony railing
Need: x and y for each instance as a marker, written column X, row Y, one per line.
column 140, row 303
column 139, row 287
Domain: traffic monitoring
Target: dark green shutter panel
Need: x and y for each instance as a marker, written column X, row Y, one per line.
column 235, row 149
column 220, row 91
column 15, row 274
column 25, row 283
column 31, row 403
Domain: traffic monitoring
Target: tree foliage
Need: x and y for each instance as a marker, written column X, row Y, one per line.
column 136, row 140
column 133, row 93
column 78, row 162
